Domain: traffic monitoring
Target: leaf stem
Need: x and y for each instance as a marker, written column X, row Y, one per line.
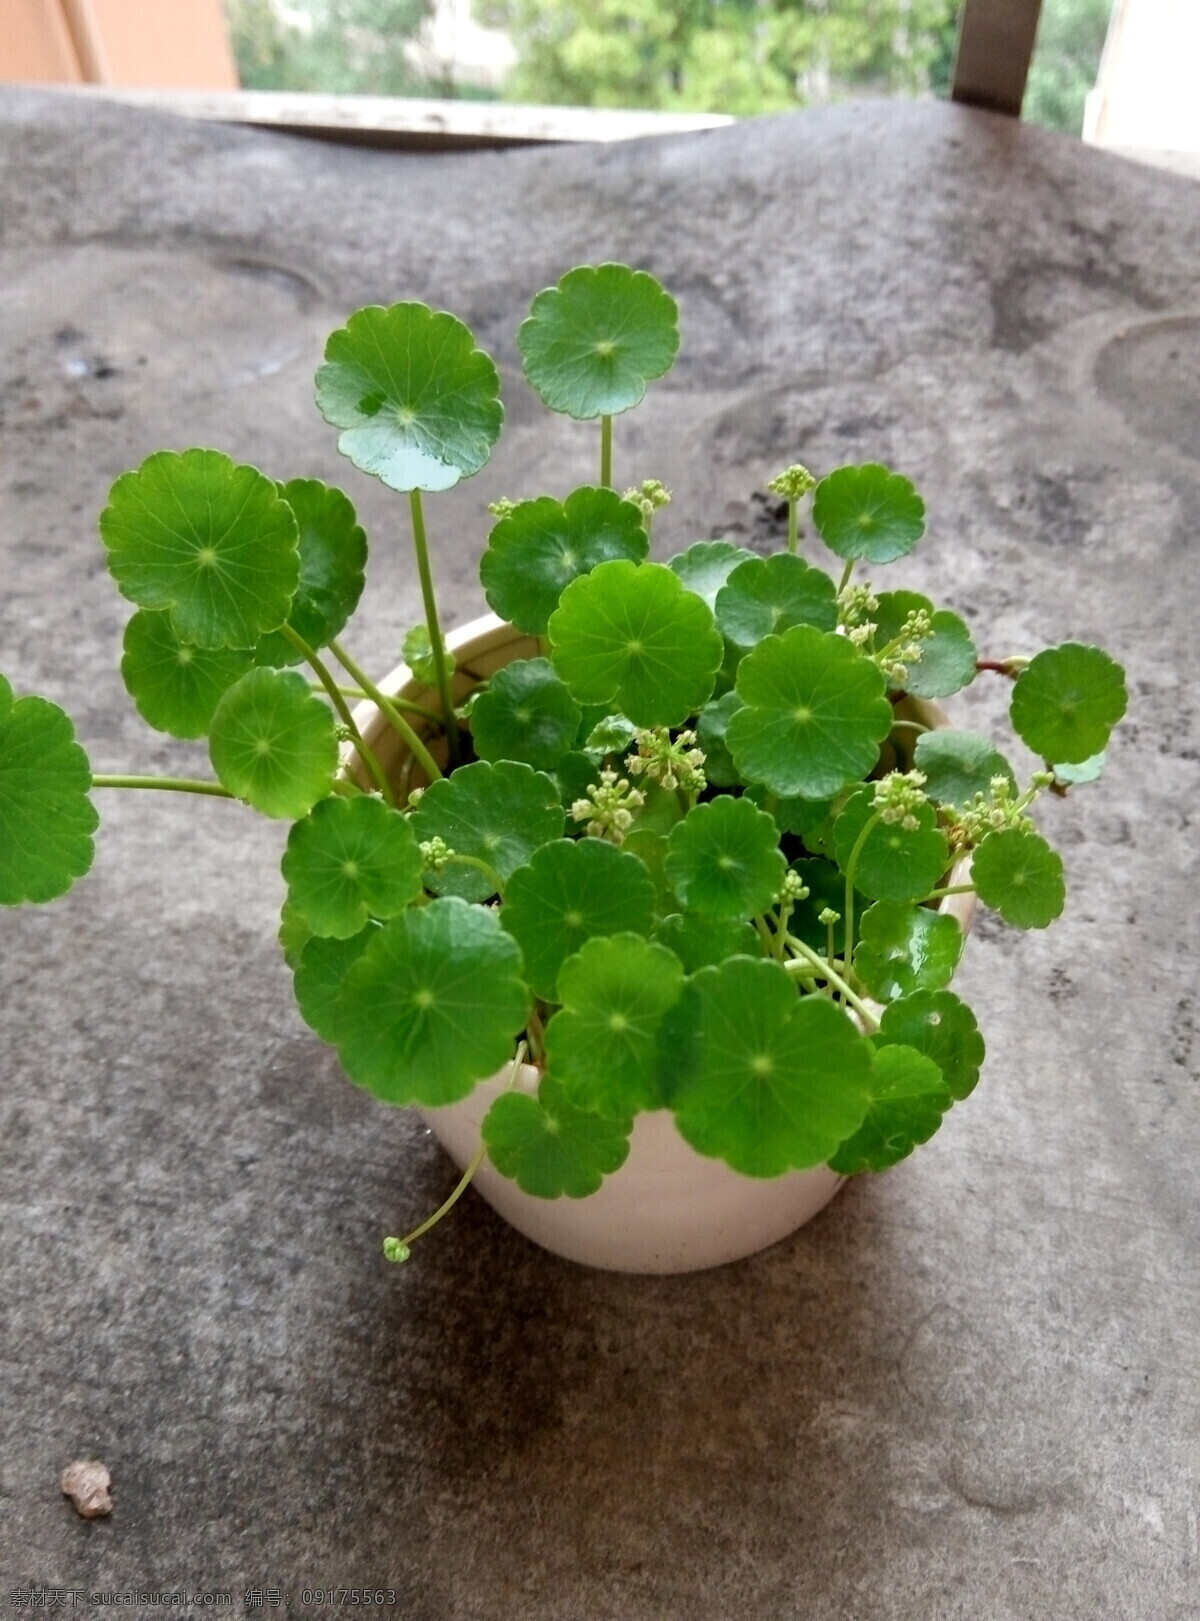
column 869, row 827
column 488, row 871
column 385, row 705
column 397, row 1249
column 847, row 572
column 176, row 785
column 436, row 643
column 606, row 452
column 366, row 754
column 400, row 703
column 950, row 889
column 912, row 725
column 793, row 526
column 824, row 971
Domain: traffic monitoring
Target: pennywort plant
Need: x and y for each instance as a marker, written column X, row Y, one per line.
column 690, row 856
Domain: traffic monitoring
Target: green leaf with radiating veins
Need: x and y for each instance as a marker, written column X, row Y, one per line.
column 650, row 847
column 538, row 548
column 777, row 1082
column 612, row 734
column 416, row 649
column 551, row 1148
column 947, row 662
column 46, row 817
column 526, row 714
column 705, row 567
column 711, row 726
column 212, row 543
column 571, row 892
column 418, row 403
column 700, row 942
column 906, row 948
column 1019, row 875
column 433, row 1005
column 333, row 560
column 629, row 633
column 1071, row 774
column 175, row 685
column 959, row 765
column 908, row 1099
column 814, row 715
column 868, row 512
column 591, row 344
column 497, row 813
column 724, row 859
column 895, row 863
column 769, row 594
column 942, row 1026
column 319, row 973
column 274, row 743
column 602, row 1045
column 350, row 860
column 1066, row 702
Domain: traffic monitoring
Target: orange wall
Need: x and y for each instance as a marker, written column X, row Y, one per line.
column 157, row 44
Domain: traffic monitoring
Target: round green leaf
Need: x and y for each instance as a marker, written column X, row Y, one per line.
column 418, row 403
column 535, row 552
column 1020, row 876
column 273, row 743
column 333, row 560
column 908, row 1099
column 602, row 1045
column 175, row 685
column 498, row 813
column 612, row 734
column 947, row 662
column 809, row 819
column 319, row 974
column 868, row 512
column 212, row 543
column 724, row 859
column 525, row 714
column 1081, row 771
column 591, row 344
column 549, row 1147
column 942, row 1026
column 650, row 847
column 294, row 935
column 433, row 1004
column 350, row 860
column 777, row 1082
column 906, row 948
column 770, row 594
column 895, row 863
column 705, row 567
column 959, row 765
column 711, row 726
column 46, row 817
column 571, row 892
column 1066, row 702
column 701, row 942
column 629, row 633
column 814, row 715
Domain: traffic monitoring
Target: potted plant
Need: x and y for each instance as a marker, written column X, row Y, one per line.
column 649, row 889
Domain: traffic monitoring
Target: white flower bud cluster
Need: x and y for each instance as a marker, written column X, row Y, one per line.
column 648, row 496
column 991, row 812
column 854, row 603
column 502, row 508
column 793, row 483
column 673, row 762
column 828, row 916
column 436, row 853
column 608, row 809
column 898, row 798
column 794, row 889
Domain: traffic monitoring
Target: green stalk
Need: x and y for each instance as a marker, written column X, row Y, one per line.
column 868, row 828
column 435, row 630
column 397, row 1249
column 606, row 452
column 824, row 971
column 175, row 785
column 366, row 755
column 847, row 572
column 488, row 871
column 793, row 526
column 950, row 889
column 419, row 751
column 400, row 703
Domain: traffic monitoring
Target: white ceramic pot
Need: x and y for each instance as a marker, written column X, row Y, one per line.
column 668, row 1209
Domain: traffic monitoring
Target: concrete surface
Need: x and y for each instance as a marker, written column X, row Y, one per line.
column 969, row 1389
